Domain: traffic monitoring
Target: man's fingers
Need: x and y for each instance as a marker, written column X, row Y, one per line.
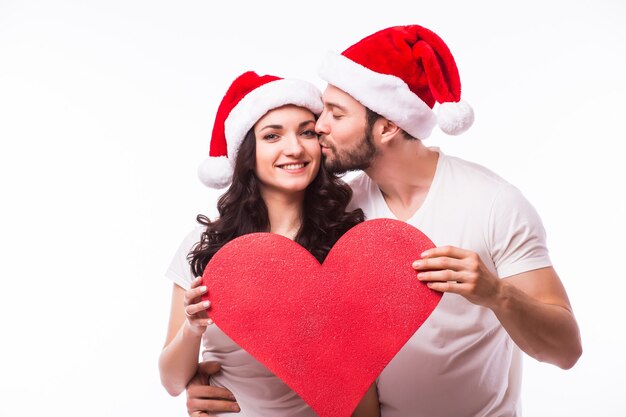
column 211, row 406
column 209, row 367
column 209, row 392
column 448, row 286
column 203, row 399
column 200, row 414
column 449, row 251
column 438, row 276
column 438, row 264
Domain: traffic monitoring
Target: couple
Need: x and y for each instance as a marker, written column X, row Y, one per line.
column 501, row 293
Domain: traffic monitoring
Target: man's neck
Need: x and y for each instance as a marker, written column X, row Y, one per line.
column 404, row 172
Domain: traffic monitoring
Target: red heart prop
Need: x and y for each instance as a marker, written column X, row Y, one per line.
column 326, row 330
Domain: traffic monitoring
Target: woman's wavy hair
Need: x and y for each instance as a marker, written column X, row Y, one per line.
column 242, row 211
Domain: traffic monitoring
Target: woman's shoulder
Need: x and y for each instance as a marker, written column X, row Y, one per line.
column 192, row 237
column 179, row 270
column 361, row 186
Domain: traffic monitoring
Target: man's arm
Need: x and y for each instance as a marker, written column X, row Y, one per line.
column 533, row 306
column 203, row 399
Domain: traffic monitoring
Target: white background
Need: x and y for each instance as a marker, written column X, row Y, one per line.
column 106, row 110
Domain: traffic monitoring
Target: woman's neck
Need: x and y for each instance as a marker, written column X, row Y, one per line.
column 284, row 212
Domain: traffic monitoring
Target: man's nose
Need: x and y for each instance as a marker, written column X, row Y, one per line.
column 321, row 126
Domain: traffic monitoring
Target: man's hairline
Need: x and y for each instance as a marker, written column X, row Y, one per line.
column 405, row 134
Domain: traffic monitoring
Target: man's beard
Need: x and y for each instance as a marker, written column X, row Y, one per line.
column 359, row 157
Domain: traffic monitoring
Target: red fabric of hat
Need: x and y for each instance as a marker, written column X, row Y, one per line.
column 401, row 72
column 248, row 99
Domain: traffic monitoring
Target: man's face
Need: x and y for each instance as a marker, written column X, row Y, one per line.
column 345, row 136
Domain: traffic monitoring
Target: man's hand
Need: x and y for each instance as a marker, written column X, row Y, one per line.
column 459, row 271
column 203, row 399
column 532, row 306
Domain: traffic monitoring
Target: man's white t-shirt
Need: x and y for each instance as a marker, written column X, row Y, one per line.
column 462, row 362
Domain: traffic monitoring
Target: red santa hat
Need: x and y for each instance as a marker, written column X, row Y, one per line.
column 400, row 72
column 248, row 99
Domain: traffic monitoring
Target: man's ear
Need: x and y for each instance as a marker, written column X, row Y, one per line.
column 387, row 130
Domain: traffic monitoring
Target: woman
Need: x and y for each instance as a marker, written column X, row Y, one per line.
column 266, row 125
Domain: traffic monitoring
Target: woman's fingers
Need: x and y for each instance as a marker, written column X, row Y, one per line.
column 193, row 309
column 193, row 294
column 196, row 282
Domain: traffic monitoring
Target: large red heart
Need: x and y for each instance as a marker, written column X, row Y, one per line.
column 326, row 330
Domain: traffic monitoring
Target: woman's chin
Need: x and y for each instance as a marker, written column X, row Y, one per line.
column 288, row 187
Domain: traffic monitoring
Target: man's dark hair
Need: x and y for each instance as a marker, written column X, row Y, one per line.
column 372, row 116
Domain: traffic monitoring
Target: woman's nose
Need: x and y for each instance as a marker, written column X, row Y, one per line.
column 293, row 146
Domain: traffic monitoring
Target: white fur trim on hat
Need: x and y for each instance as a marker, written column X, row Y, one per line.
column 455, row 118
column 385, row 94
column 216, row 172
column 263, row 99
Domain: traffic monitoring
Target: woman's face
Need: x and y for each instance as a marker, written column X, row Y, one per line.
column 287, row 152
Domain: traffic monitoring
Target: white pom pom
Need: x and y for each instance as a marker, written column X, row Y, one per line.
column 455, row 118
column 216, row 172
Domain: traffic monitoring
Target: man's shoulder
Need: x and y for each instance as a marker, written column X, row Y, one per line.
column 480, row 185
column 459, row 174
column 472, row 169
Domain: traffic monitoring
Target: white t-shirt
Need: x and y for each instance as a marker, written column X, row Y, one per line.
column 258, row 391
column 462, row 362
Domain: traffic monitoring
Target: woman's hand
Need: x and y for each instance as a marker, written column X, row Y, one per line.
column 195, row 308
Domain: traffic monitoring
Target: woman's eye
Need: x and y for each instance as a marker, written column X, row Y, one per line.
column 309, row 134
column 270, row 136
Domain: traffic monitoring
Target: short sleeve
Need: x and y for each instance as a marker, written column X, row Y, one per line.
column 516, row 233
column 360, row 185
column 179, row 270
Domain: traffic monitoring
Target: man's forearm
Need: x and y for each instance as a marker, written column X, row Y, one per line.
column 547, row 332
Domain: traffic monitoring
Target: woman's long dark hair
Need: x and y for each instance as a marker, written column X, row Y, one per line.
column 242, row 211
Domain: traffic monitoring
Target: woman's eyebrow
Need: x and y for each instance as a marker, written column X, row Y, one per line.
column 306, row 122
column 272, row 127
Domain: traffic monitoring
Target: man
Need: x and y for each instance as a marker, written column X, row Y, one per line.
column 501, row 293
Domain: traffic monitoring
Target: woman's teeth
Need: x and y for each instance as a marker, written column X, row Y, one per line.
column 292, row 166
